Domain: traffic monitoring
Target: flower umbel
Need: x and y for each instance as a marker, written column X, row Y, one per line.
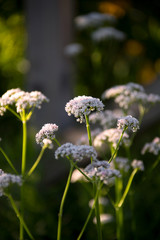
column 153, row 147
column 46, row 133
column 138, row 164
column 7, row 179
column 76, row 152
column 128, row 122
column 83, row 105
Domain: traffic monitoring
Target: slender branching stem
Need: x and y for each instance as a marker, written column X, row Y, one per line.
column 117, row 147
column 19, row 216
column 8, row 160
column 13, row 112
column 88, row 130
column 62, row 203
column 90, row 213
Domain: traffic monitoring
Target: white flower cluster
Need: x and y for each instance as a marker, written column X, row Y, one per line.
column 7, row 179
column 46, row 135
column 73, row 49
column 100, row 170
column 112, row 136
column 126, row 95
column 137, row 164
column 22, row 100
column 121, row 164
column 153, row 147
column 104, row 218
column 106, row 119
column 76, row 152
column 83, row 105
column 93, row 19
column 128, row 122
column 105, row 33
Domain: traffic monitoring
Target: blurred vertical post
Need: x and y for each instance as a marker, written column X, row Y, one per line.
column 49, row 31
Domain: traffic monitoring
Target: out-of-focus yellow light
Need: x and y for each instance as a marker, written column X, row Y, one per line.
column 147, row 74
column 134, row 48
column 112, row 8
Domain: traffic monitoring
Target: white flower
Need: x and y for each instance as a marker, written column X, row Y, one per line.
column 138, row 164
column 104, row 218
column 7, row 179
column 46, row 132
column 100, row 170
column 76, row 152
column 102, row 201
column 105, row 33
column 121, row 164
column 128, row 122
column 153, row 147
column 111, row 135
column 73, row 49
column 48, row 143
column 92, row 20
column 83, row 105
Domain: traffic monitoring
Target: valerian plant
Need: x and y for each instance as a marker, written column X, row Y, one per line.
column 103, row 169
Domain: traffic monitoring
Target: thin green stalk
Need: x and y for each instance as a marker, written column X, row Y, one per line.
column 90, row 214
column 155, row 163
column 97, row 213
column 37, row 161
column 23, row 169
column 88, row 130
column 127, row 187
column 62, row 203
column 117, row 147
column 19, row 216
column 8, row 160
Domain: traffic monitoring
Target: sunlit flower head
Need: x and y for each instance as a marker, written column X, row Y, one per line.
column 76, row 152
column 83, row 105
column 128, row 122
column 105, row 33
column 93, row 19
column 104, row 218
column 46, row 133
column 73, row 49
column 7, row 179
column 111, row 136
column 153, row 147
column 100, row 170
column 137, row 164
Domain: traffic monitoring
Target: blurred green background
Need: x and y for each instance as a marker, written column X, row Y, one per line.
column 135, row 59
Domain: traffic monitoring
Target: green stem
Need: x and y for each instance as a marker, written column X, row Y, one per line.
column 23, row 169
column 88, row 130
column 8, row 160
column 62, row 203
column 127, row 187
column 117, row 147
column 36, row 162
column 90, row 214
column 97, row 213
column 19, row 216
column 155, row 163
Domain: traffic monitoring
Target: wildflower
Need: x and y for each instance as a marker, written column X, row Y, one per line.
column 102, row 201
column 104, row 218
column 153, row 147
column 138, row 164
column 92, row 20
column 105, row 33
column 112, row 136
column 46, row 132
column 128, row 122
column 121, row 164
column 7, row 179
column 76, row 152
column 48, row 143
column 100, row 170
column 73, row 49
column 83, row 105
